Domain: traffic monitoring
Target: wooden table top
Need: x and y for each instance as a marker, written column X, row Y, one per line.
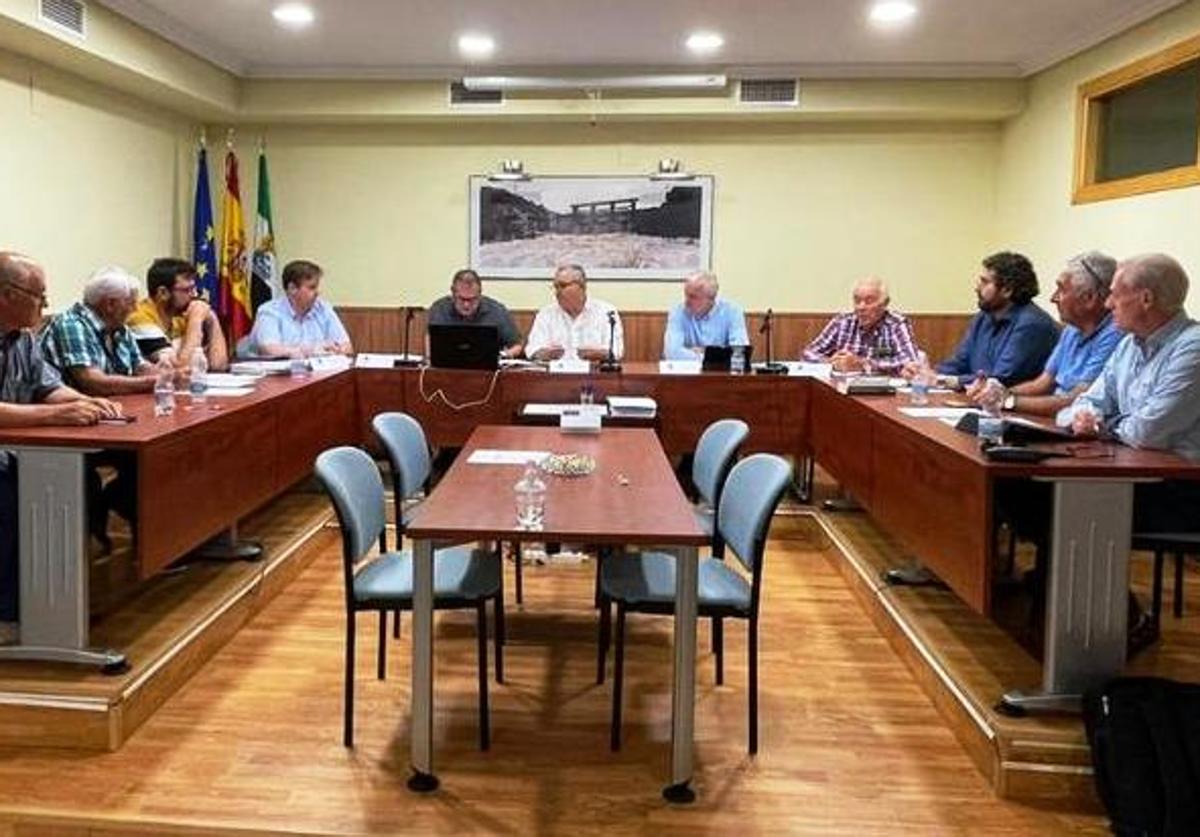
column 647, row 507
column 148, row 427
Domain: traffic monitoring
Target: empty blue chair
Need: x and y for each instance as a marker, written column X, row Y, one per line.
column 645, row 582
column 463, row 577
column 715, row 454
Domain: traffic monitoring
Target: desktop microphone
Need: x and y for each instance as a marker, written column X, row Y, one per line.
column 407, row 362
column 768, row 328
column 610, row 363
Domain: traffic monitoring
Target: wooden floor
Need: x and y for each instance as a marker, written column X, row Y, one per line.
column 850, row 742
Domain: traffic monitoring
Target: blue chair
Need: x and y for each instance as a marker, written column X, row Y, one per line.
column 645, row 582
column 463, row 577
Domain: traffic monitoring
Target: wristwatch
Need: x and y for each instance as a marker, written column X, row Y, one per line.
column 1010, row 401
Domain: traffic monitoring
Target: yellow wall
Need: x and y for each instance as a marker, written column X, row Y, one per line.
column 1036, row 163
column 89, row 176
column 801, row 209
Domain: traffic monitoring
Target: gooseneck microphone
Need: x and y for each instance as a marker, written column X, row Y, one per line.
column 610, row 363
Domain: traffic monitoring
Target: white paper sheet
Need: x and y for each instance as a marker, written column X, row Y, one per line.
column 373, row 360
column 487, row 456
column 803, row 369
column 559, row 409
column 230, row 392
column 632, row 405
column 570, row 366
column 679, row 367
column 224, row 380
column 945, row 413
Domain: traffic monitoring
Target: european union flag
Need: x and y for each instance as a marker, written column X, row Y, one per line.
column 204, row 238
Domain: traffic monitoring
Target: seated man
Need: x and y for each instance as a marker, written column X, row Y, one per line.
column 300, row 323
column 1084, row 345
column 1011, row 337
column 574, row 326
column 31, row 393
column 89, row 343
column 173, row 321
column 466, row 305
column 870, row 335
column 702, row 320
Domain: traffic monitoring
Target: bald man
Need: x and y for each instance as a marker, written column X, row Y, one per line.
column 871, row 335
column 702, row 320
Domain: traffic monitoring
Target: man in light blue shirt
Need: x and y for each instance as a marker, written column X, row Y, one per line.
column 1146, row 396
column 702, row 320
column 300, row 323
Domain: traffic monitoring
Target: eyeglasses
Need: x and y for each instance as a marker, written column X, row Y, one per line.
column 40, row 296
column 466, row 300
column 1091, row 272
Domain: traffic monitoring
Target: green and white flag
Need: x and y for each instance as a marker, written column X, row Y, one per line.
column 264, row 278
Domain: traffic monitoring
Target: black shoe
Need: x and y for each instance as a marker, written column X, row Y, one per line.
column 1143, row 632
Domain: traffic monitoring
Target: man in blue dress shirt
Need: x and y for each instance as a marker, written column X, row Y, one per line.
column 1011, row 337
column 300, row 323
column 702, row 320
column 1085, row 344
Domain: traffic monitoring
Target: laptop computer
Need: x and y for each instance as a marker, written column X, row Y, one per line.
column 718, row 358
column 464, row 347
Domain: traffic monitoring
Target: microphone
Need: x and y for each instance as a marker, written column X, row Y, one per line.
column 406, row 361
column 766, row 323
column 770, row 367
column 610, row 363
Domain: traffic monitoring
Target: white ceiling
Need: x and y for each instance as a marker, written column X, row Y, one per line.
column 812, row 38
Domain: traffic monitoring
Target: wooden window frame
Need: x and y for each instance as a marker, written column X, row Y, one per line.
column 1087, row 129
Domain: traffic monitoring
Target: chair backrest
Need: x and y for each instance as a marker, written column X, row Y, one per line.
column 715, row 451
column 407, row 450
column 752, row 492
column 352, row 480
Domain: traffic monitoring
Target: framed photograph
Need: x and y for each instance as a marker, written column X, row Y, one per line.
column 628, row 228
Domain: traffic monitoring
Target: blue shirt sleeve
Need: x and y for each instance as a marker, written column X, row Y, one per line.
column 737, row 326
column 1055, row 359
column 1105, row 345
column 267, row 329
column 674, row 337
column 959, row 363
column 335, row 332
column 1025, row 351
column 1171, row 408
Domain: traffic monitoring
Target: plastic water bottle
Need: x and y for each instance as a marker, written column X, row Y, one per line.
column 164, row 389
column 922, row 381
column 299, row 367
column 198, row 384
column 991, row 425
column 737, row 360
column 530, row 494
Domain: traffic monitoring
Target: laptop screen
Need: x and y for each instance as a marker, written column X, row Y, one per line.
column 464, row 346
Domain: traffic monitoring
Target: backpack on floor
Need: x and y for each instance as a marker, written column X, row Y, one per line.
column 1145, row 738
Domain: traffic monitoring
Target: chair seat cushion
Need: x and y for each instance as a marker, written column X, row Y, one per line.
column 648, row 578
column 458, row 573
column 1177, row 541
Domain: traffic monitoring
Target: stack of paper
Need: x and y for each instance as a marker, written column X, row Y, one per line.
column 224, row 380
column 261, row 367
column 632, row 406
column 679, row 367
column 559, row 409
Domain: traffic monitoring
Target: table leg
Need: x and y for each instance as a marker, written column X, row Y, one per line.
column 1087, row 595
column 423, row 779
column 53, row 561
column 683, row 699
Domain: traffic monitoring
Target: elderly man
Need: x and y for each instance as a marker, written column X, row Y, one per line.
column 702, row 320
column 31, row 393
column 299, row 323
column 575, row 326
column 1011, row 337
column 871, row 336
column 1084, row 346
column 89, row 343
column 466, row 305
column 173, row 321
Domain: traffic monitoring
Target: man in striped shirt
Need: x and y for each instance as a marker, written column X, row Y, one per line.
column 872, row 339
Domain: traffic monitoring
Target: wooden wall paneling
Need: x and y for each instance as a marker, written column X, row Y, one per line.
column 450, row 403
column 841, row 440
column 377, row 391
column 317, row 416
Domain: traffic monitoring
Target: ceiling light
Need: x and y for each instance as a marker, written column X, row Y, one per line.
column 705, row 43
column 476, row 46
column 892, row 12
column 294, row 15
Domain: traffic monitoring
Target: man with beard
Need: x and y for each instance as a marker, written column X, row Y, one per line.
column 1011, row 337
column 173, row 322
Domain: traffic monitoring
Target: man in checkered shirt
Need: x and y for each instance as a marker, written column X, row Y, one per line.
column 871, row 339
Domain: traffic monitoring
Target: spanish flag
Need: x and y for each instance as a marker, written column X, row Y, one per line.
column 234, row 288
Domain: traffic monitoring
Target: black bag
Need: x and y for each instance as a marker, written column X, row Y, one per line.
column 1145, row 739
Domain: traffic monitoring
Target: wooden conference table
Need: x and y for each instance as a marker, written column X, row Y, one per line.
column 631, row 498
column 198, row 471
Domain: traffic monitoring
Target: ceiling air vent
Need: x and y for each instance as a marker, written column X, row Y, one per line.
column 780, row 92
column 460, row 94
column 68, row 15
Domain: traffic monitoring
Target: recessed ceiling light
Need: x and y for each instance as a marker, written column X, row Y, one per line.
column 476, row 46
column 892, row 12
column 704, row 43
column 294, row 15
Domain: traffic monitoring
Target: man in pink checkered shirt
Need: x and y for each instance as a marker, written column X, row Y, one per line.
column 872, row 339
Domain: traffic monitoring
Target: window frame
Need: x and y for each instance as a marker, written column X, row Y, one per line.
column 1086, row 189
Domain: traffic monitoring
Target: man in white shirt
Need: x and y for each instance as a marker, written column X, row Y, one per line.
column 574, row 326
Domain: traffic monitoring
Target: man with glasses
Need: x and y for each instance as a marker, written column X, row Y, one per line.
column 871, row 335
column 31, row 393
column 173, row 322
column 1011, row 337
column 466, row 305
column 1087, row 339
column 574, row 326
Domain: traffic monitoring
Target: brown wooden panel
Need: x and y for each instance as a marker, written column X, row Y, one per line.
column 381, row 330
column 377, row 391
column 451, row 403
column 310, row 420
column 841, row 438
column 689, row 404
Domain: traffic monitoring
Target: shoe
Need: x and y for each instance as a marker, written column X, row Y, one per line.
column 1143, row 632
column 10, row 633
column 914, row 575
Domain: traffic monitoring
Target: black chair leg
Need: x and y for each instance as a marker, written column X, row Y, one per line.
column 381, row 663
column 498, row 609
column 348, row 698
column 519, row 566
column 618, row 678
column 1177, row 608
column 396, row 624
column 605, row 637
column 1157, row 588
column 718, row 641
column 752, row 632
column 485, row 733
